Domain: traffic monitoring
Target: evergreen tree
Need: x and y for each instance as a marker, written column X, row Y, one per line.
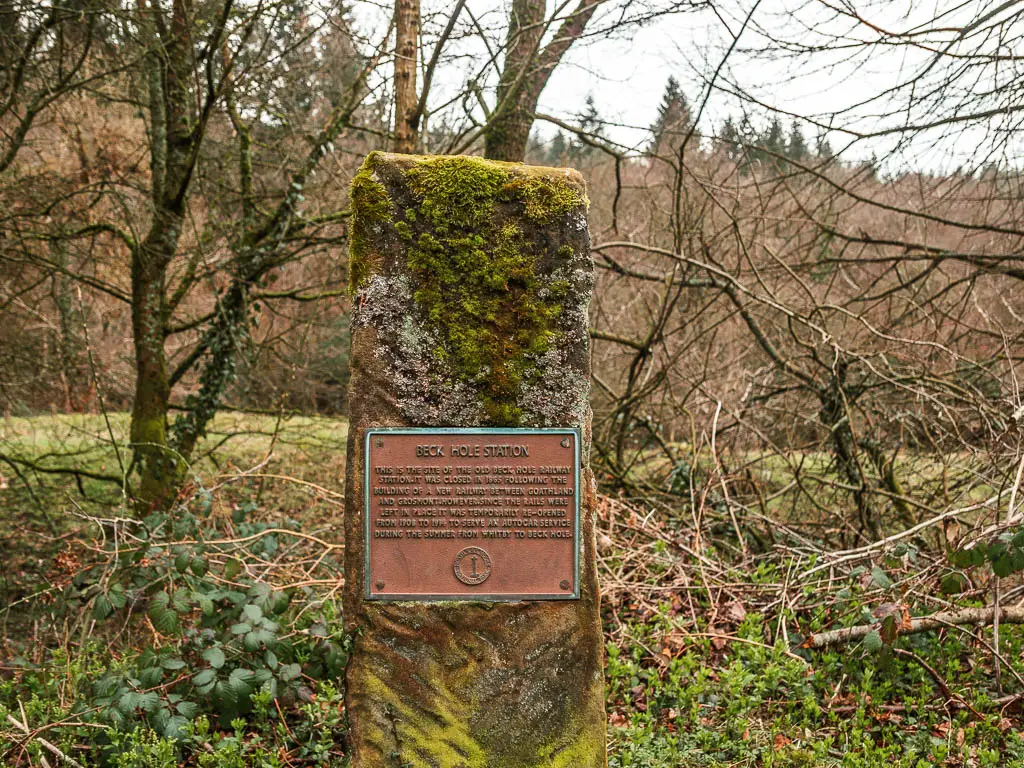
column 592, row 125
column 729, row 136
column 558, row 149
column 822, row 148
column 674, row 119
column 797, row 148
column 750, row 142
column 536, row 151
column 774, row 138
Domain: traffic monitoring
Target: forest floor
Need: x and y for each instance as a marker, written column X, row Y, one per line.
column 704, row 661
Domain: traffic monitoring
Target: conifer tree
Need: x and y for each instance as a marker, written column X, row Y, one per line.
column 590, row 124
column 674, row 119
column 822, row 147
column 729, row 136
column 797, row 148
column 558, row 149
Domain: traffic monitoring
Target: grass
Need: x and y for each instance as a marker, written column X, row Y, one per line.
column 43, row 515
column 692, row 680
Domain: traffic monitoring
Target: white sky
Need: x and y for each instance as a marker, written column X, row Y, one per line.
column 626, row 72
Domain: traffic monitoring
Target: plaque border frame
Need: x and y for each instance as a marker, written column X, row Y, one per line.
column 368, row 594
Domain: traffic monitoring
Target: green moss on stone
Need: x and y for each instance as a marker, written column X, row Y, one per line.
column 438, row 738
column 371, row 206
column 476, row 271
column 581, row 751
column 546, row 199
column 404, row 230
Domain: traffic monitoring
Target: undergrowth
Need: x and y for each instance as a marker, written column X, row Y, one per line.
column 212, row 637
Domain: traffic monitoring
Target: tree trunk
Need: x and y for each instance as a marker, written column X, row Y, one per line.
column 407, row 29
column 159, row 468
column 509, row 129
column 173, row 133
column 526, row 72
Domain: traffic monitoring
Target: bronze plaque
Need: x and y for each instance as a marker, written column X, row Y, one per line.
column 472, row 514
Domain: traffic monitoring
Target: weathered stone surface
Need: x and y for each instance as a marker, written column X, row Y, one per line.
column 470, row 281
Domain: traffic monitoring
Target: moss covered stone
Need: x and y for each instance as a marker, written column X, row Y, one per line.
column 475, row 237
column 372, row 206
column 471, row 282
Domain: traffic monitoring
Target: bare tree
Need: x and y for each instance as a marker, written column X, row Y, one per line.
column 231, row 79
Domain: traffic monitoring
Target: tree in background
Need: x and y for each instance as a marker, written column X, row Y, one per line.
column 590, row 129
column 190, row 232
column 796, row 147
column 407, row 46
column 674, row 119
column 527, row 67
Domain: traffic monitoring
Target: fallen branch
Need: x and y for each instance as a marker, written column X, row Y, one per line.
column 981, row 616
column 939, row 681
column 23, row 727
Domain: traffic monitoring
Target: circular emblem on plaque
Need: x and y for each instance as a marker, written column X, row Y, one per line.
column 472, row 566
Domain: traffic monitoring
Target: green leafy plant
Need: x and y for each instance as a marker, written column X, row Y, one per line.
column 227, row 639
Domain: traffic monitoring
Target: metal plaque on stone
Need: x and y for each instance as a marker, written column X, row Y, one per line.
column 472, row 514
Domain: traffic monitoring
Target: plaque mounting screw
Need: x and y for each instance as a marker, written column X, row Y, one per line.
column 379, row 443
column 566, row 442
column 564, row 584
column 379, row 585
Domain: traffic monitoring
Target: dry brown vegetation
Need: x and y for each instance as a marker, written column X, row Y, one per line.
column 803, row 363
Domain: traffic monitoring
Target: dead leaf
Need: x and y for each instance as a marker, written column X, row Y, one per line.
column 894, row 618
column 734, row 612
column 780, row 741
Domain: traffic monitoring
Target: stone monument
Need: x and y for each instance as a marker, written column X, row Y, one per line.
column 470, row 578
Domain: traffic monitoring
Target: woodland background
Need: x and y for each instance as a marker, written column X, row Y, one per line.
column 807, row 332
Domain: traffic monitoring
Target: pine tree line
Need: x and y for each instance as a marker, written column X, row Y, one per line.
column 771, row 146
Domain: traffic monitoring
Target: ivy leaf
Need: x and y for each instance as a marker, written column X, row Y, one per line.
column 232, row 568
column 164, row 619
column 879, row 578
column 205, row 680
column 215, row 657
column 253, row 613
column 101, row 607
